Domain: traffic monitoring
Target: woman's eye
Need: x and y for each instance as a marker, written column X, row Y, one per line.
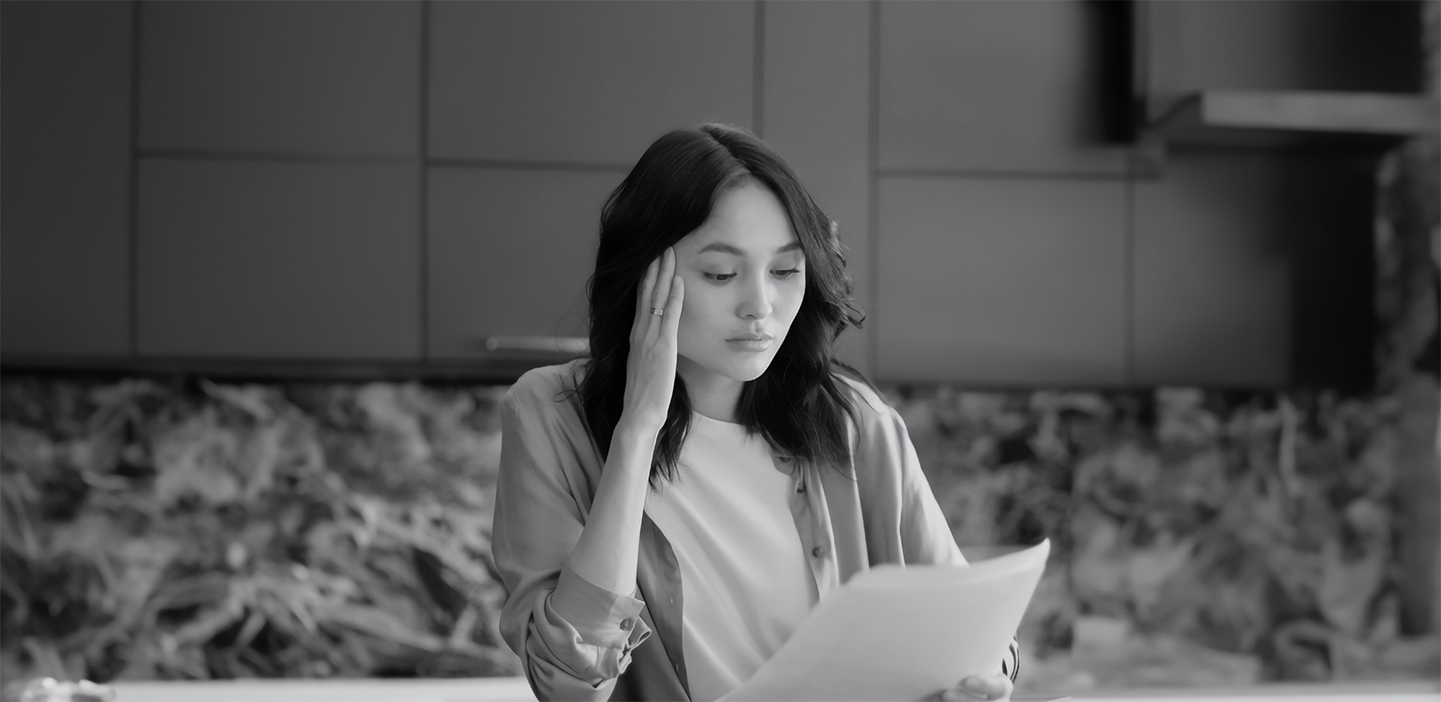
column 722, row 277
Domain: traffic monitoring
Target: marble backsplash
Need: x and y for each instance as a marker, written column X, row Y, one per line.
column 188, row 529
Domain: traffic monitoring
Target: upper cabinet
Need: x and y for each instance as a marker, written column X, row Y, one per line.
column 510, row 252
column 1001, row 87
column 1029, row 193
column 584, row 82
column 1333, row 46
column 65, row 180
column 1001, row 240
column 1214, row 274
column 816, row 112
column 1344, row 73
column 278, row 260
column 279, row 185
column 273, row 78
column 978, row 284
column 536, row 113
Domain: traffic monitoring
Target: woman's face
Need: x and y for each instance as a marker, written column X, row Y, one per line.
column 745, row 276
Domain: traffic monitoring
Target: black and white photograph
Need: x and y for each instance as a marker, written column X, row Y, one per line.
column 737, row 350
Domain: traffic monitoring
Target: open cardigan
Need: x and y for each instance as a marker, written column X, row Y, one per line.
column 580, row 641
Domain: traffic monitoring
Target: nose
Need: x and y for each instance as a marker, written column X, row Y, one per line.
column 755, row 302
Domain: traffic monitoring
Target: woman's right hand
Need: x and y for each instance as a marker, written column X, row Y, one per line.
column 608, row 550
column 650, row 369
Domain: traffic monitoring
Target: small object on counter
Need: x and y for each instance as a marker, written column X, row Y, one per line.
column 52, row 690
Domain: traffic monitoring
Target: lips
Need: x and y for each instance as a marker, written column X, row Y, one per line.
column 752, row 337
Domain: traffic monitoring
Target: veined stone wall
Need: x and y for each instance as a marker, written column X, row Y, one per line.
column 195, row 529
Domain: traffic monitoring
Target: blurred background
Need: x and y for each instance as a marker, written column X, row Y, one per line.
column 1156, row 280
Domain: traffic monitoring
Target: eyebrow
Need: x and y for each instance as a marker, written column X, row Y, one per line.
column 727, row 248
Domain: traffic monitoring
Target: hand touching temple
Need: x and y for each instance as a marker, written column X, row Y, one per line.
column 671, row 508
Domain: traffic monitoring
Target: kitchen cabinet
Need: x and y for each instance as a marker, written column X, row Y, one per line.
column 583, row 82
column 65, row 180
column 420, row 183
column 981, row 284
column 1213, row 274
column 278, row 213
column 281, row 79
column 816, row 113
column 1339, row 46
column 1018, row 87
column 1253, row 269
column 278, row 260
column 509, row 253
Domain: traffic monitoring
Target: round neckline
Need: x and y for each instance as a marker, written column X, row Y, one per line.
column 717, row 421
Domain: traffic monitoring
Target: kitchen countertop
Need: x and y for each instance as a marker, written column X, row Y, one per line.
column 498, row 689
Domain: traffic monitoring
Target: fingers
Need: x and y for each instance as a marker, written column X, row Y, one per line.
column 663, row 290
column 659, row 287
column 642, row 302
column 673, row 306
column 667, row 274
column 981, row 687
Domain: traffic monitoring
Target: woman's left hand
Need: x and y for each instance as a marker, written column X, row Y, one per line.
column 978, row 687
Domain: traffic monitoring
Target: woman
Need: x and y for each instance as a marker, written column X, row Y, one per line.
column 669, row 510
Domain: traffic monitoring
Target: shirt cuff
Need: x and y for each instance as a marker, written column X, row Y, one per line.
column 600, row 617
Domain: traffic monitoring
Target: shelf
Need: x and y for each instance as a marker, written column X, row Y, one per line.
column 1296, row 119
column 498, row 368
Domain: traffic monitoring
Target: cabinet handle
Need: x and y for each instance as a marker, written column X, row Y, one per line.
column 539, row 344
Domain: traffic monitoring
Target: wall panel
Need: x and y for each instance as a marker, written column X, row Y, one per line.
column 1002, row 281
column 996, row 86
column 816, row 113
column 278, row 260
column 510, row 251
column 65, row 177
column 1213, row 274
column 297, row 77
column 583, row 82
column 1342, row 45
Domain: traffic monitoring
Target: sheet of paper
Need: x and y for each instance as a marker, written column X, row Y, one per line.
column 901, row 633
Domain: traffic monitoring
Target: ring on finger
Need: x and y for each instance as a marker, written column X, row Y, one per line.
column 658, row 311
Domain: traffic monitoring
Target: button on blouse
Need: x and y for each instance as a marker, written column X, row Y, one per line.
column 580, row 641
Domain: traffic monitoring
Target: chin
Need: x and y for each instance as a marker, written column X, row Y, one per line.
column 747, row 372
column 740, row 370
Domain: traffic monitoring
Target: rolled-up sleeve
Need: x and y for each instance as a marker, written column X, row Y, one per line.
column 573, row 636
column 581, row 633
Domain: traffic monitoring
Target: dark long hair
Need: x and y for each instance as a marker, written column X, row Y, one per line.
column 797, row 404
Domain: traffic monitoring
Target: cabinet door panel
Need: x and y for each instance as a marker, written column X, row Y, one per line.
column 591, row 82
column 240, row 259
column 817, row 116
column 308, row 77
column 995, row 86
column 510, row 252
column 1270, row 45
column 1002, row 282
column 65, row 179
column 1213, row 276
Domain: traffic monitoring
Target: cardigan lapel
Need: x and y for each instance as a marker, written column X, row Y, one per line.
column 658, row 577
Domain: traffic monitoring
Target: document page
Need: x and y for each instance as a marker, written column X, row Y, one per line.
column 902, row 632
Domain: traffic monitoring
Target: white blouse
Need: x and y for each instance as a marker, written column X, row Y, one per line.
column 745, row 582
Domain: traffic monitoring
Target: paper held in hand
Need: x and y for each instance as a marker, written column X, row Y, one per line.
column 901, row 633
